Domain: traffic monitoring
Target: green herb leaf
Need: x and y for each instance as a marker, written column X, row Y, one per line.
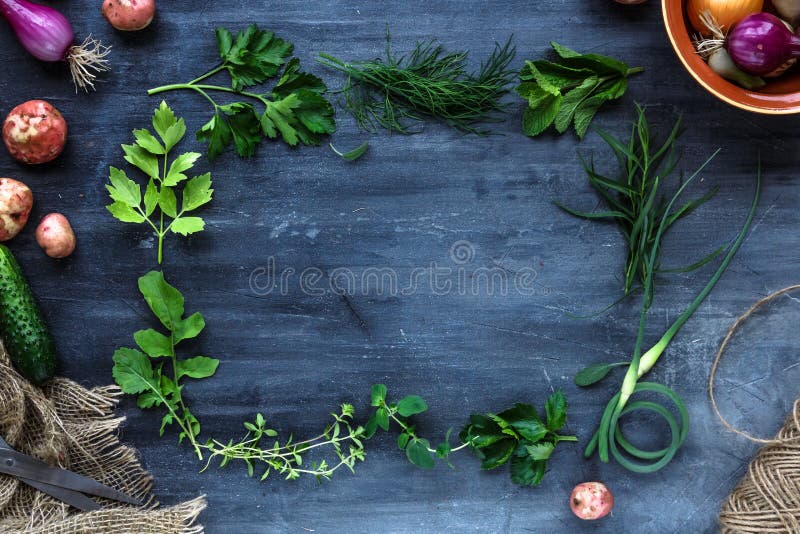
column 537, row 119
column 179, row 165
column 146, row 140
column 188, row 328
column 150, row 198
column 197, row 367
column 165, row 301
column 594, row 373
column 378, row 395
column 253, row 57
column 524, row 419
column 123, row 212
column 167, row 202
column 197, row 192
column 237, row 123
column 419, row 455
column 402, row 440
column 540, row 451
column 153, row 343
column 168, row 126
column 382, row 418
column 496, row 454
column 187, row 225
column 354, row 154
column 142, row 159
column 122, row 189
column 411, row 405
column 526, row 471
column 133, row 372
column 556, row 408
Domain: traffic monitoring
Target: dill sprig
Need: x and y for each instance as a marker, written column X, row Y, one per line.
column 398, row 92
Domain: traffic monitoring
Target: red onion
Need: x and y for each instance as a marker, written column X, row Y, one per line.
column 47, row 35
column 761, row 43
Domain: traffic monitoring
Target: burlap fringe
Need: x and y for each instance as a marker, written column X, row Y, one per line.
column 767, row 499
column 75, row 428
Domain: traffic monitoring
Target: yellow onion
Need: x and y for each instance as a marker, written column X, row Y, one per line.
column 726, row 12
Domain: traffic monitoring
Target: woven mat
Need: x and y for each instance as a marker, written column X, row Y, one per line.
column 75, row 428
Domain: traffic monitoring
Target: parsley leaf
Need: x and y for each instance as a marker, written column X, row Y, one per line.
column 569, row 91
column 151, row 156
column 295, row 110
column 253, row 57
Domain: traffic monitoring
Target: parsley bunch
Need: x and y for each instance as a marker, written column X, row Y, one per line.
column 295, row 109
column 156, row 374
column 151, row 156
column 570, row 91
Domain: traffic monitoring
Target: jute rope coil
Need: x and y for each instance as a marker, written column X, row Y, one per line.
column 767, row 499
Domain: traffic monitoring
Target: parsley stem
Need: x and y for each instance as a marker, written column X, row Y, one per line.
column 208, row 74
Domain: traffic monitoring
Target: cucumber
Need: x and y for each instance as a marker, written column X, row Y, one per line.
column 25, row 335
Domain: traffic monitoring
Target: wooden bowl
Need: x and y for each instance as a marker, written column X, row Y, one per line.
column 781, row 96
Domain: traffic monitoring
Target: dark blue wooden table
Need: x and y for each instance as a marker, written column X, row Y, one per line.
column 438, row 199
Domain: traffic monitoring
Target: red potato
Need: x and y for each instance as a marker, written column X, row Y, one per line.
column 591, row 500
column 16, row 201
column 54, row 234
column 35, row 132
column 129, row 15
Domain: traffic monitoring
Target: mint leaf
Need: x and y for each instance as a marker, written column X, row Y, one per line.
column 197, row 367
column 572, row 100
column 556, row 408
column 570, row 91
column 378, row 395
column 411, row 405
column 382, row 418
column 537, row 119
column 153, row 343
column 418, row 454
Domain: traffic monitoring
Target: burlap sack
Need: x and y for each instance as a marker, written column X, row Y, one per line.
column 75, row 428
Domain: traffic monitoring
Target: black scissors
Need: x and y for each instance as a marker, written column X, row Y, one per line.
column 64, row 485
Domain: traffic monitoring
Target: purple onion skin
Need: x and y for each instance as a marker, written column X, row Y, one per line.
column 43, row 31
column 761, row 43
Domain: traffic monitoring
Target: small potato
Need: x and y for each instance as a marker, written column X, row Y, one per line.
column 591, row 500
column 55, row 236
column 35, row 132
column 16, row 201
column 129, row 15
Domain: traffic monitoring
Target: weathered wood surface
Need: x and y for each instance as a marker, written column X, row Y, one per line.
column 296, row 356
